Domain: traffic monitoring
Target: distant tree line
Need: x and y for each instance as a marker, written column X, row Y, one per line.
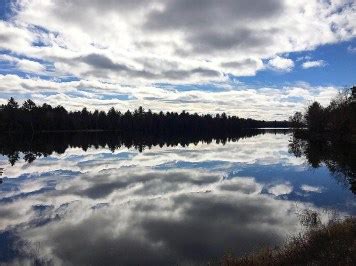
column 337, row 120
column 31, row 117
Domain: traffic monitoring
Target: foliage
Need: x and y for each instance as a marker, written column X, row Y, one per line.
column 333, row 244
column 296, row 120
column 338, row 119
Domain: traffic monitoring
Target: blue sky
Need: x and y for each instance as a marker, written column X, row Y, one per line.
column 247, row 58
column 339, row 68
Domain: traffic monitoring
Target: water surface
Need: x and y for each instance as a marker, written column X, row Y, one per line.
column 81, row 200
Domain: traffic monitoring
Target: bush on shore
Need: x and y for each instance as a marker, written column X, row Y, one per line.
column 333, row 244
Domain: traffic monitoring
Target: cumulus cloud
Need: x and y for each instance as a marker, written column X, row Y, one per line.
column 24, row 64
column 14, row 37
column 281, row 64
column 149, row 40
column 30, row 66
column 312, row 64
column 141, row 44
column 280, row 189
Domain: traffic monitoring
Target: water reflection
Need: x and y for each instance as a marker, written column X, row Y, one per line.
column 1, row 172
column 339, row 158
column 163, row 205
column 44, row 144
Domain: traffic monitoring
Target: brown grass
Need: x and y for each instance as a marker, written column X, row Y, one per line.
column 333, row 244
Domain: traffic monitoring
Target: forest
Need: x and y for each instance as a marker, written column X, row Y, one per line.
column 336, row 122
column 30, row 117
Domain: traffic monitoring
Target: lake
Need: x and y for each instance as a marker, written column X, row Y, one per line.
column 107, row 200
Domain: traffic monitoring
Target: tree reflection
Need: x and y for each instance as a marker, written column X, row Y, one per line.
column 339, row 158
column 1, row 172
column 31, row 146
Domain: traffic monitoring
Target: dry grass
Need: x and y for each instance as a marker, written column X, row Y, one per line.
column 334, row 244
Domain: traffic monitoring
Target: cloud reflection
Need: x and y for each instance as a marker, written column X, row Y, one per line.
column 163, row 206
column 186, row 227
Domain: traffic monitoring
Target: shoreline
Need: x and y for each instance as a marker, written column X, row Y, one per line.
column 331, row 244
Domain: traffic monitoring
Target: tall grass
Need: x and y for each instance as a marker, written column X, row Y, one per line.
column 332, row 244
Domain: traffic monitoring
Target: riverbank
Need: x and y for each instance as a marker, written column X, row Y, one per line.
column 334, row 244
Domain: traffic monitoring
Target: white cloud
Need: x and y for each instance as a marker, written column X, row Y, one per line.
column 302, row 58
column 351, row 49
column 308, row 188
column 30, row 66
column 24, row 64
column 140, row 44
column 281, row 64
column 281, row 189
column 311, row 64
column 233, row 99
column 14, row 37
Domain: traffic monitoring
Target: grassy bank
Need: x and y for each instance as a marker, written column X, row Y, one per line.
column 334, row 244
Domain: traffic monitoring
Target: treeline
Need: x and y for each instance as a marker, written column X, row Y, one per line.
column 336, row 121
column 39, row 118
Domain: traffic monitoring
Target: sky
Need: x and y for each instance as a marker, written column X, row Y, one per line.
column 263, row 59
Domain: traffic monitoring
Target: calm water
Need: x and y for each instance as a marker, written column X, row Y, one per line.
column 86, row 205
